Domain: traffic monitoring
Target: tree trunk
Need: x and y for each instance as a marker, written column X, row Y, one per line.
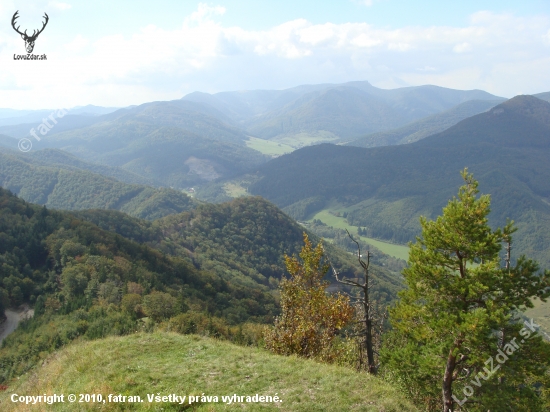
column 369, row 345
column 448, row 404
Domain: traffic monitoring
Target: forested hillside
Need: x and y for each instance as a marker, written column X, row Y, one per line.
column 193, row 117
column 95, row 273
column 56, row 158
column 386, row 189
column 167, row 155
column 344, row 112
column 85, row 281
column 425, row 127
column 59, row 181
column 172, row 144
column 243, row 241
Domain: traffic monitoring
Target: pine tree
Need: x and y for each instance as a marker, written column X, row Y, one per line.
column 310, row 318
column 458, row 313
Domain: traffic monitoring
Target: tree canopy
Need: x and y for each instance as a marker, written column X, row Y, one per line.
column 459, row 312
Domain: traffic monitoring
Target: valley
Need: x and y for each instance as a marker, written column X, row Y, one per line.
column 155, row 242
column 386, row 189
column 330, row 218
column 268, row 147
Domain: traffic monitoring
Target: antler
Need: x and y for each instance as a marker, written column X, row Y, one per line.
column 34, row 33
column 43, row 25
column 15, row 17
column 34, row 36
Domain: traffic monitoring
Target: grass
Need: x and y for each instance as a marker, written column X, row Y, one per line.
column 306, row 139
column 288, row 143
column 540, row 314
column 168, row 363
column 397, row 251
column 268, row 147
column 233, row 189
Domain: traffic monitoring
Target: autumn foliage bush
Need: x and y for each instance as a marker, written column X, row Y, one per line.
column 311, row 319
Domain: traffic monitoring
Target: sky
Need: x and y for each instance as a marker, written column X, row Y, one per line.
column 124, row 52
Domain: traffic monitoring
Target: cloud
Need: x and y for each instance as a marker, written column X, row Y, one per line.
column 462, row 47
column 427, row 69
column 59, row 5
column 367, row 3
column 78, row 44
column 205, row 12
column 202, row 54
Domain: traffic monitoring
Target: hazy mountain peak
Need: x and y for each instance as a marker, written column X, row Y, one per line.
column 528, row 106
column 523, row 121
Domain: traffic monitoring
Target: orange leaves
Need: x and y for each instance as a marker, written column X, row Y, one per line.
column 310, row 319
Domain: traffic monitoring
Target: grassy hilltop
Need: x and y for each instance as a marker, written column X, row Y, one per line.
column 168, row 363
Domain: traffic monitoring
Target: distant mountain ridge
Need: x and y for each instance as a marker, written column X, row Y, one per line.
column 294, row 117
column 14, row 117
column 427, row 126
column 345, row 111
column 173, row 144
column 61, row 181
column 543, row 96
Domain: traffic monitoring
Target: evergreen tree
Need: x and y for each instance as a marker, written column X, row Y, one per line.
column 455, row 328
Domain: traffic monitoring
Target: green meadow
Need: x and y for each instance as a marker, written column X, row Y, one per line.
column 268, row 147
column 162, row 364
column 397, row 251
column 306, row 138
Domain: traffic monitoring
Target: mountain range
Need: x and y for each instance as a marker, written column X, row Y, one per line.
column 332, row 111
column 386, row 189
column 202, row 138
column 15, row 117
column 157, row 141
column 106, row 224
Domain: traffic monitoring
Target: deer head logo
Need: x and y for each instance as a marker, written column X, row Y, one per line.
column 29, row 40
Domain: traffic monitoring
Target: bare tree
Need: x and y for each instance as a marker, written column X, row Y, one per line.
column 370, row 316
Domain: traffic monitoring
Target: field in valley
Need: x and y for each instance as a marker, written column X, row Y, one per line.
column 330, row 219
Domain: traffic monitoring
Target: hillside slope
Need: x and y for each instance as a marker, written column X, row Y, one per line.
column 212, row 270
column 426, row 127
column 242, row 241
column 344, row 112
column 172, row 144
column 57, row 254
column 83, row 280
column 63, row 182
column 167, row 363
column 167, row 154
column 59, row 159
column 386, row 189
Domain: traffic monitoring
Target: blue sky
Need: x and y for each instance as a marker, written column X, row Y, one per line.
column 116, row 53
